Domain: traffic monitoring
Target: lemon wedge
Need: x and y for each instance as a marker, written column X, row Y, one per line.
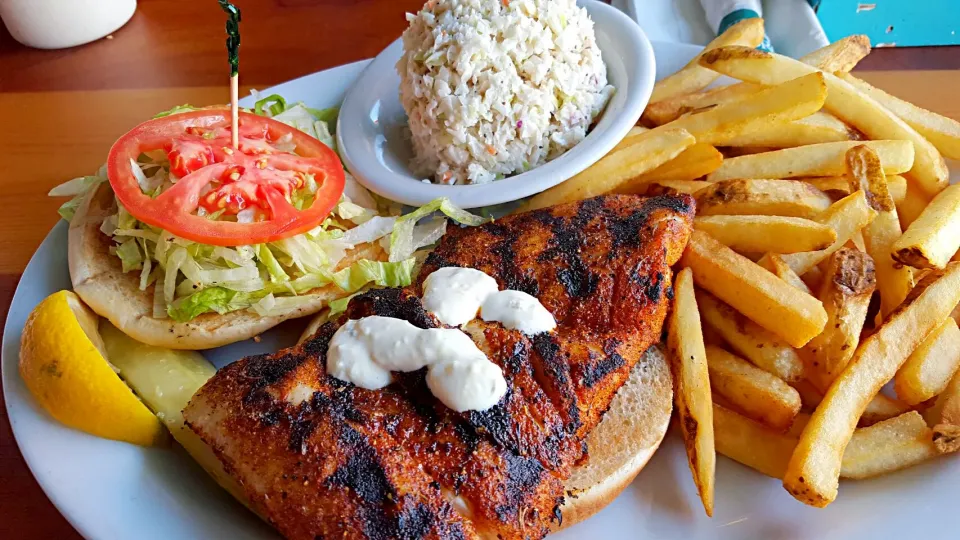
column 63, row 363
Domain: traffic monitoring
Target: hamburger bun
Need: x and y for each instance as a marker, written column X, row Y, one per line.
column 624, row 441
column 98, row 279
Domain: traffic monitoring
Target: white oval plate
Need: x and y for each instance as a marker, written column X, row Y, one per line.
column 372, row 138
column 110, row 490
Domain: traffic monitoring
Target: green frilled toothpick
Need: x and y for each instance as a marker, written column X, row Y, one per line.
column 233, row 56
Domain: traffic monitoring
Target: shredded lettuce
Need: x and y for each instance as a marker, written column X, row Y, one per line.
column 402, row 243
column 214, row 299
column 186, row 107
column 384, row 274
column 78, row 189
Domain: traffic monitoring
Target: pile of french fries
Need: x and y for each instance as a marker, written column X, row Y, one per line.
column 814, row 329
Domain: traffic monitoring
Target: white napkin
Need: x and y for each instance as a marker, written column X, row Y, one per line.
column 792, row 26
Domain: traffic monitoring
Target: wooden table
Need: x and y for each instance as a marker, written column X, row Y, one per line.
column 61, row 111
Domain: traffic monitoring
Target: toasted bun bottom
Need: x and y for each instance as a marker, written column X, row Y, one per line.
column 626, row 438
column 98, row 279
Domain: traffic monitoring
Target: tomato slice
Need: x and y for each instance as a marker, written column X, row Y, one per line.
column 257, row 177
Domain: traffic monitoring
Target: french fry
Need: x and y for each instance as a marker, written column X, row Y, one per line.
column 699, row 160
column 810, row 395
column 756, row 393
column 894, row 281
column 776, row 234
column 848, row 283
column 749, row 340
column 825, row 159
column 693, row 77
column 668, row 110
column 880, row 408
column 928, row 371
column 789, row 101
column 840, row 185
column 672, row 187
column 913, row 204
column 941, row 131
column 897, row 187
column 651, row 150
column 841, row 55
column 846, row 217
column 692, row 381
column 753, row 291
column 762, row 198
column 817, row 128
column 814, row 469
column 888, row 446
column 812, row 277
column 630, row 138
column 843, row 100
column 748, row 442
column 775, row 264
column 934, row 237
column 944, row 416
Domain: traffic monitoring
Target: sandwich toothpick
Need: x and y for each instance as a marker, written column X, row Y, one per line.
column 233, row 56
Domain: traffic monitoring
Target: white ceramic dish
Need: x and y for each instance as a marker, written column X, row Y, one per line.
column 371, row 131
column 110, row 490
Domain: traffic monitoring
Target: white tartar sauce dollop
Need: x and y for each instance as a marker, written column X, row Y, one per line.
column 517, row 310
column 454, row 295
column 366, row 351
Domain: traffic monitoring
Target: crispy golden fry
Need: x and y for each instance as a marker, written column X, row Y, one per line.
column 775, row 264
column 812, row 277
column 941, row 131
column 672, row 187
column 934, row 237
column 843, row 100
column 751, row 443
column 692, row 381
column 882, row 407
column 928, row 371
column 839, row 186
column 754, row 392
column 776, row 234
column 762, row 198
column 888, row 446
column 819, row 127
column 893, row 281
column 825, row 159
column 630, row 138
column 897, row 187
column 789, row 101
column 944, row 416
column 841, row 55
column 649, row 151
column 814, row 469
column 747, row 338
column 846, row 217
column 668, row 110
column 693, row 77
column 913, row 204
column 849, row 282
column 699, row 160
column 753, row 291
